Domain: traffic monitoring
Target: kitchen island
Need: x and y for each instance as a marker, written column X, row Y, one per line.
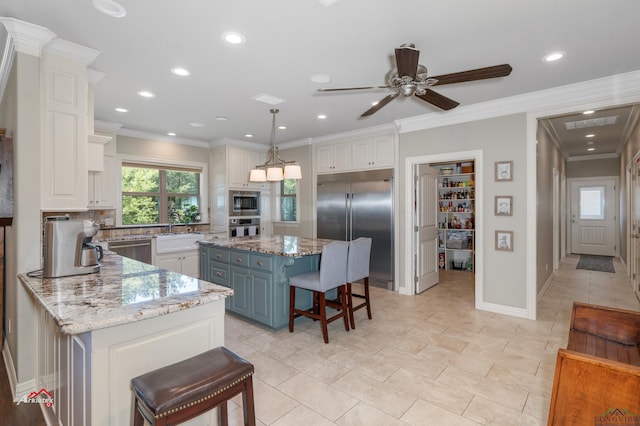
column 258, row 270
column 96, row 332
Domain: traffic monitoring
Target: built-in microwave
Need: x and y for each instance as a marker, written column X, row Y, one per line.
column 244, row 203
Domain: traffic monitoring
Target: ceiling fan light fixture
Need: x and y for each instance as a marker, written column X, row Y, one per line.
column 110, row 8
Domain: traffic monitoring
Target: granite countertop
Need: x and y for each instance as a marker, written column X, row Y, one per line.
column 279, row 245
column 124, row 291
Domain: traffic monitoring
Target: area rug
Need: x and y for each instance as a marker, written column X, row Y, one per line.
column 596, row 263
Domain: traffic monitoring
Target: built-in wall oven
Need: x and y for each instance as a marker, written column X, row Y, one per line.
column 244, row 203
column 244, row 227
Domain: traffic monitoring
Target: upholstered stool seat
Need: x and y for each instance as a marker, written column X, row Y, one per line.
column 187, row 389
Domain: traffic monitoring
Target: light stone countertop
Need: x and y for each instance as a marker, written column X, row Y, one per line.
column 124, row 291
column 279, row 245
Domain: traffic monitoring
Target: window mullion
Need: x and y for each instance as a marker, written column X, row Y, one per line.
column 163, row 202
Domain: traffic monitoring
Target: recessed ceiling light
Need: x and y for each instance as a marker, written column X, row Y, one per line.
column 221, row 118
column 181, row 72
column 590, row 111
column 146, row 94
column 322, row 116
column 233, row 37
column 281, row 127
column 590, row 135
column 591, row 149
column 248, row 135
column 110, row 7
column 374, row 103
column 195, row 124
column 171, row 134
column 320, row 78
column 121, row 109
column 552, row 57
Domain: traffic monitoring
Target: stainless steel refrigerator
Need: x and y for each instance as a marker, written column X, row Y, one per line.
column 360, row 204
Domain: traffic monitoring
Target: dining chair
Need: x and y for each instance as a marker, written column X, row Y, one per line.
column 358, row 260
column 331, row 274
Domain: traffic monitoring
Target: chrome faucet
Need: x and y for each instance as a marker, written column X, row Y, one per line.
column 170, row 227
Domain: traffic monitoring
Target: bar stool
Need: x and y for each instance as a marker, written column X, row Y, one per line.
column 189, row 388
column 332, row 274
column 358, row 269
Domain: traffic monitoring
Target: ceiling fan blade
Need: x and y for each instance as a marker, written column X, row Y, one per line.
column 380, row 104
column 471, row 75
column 438, row 100
column 354, row 88
column 407, row 61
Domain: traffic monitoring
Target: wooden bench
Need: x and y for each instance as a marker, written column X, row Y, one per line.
column 597, row 377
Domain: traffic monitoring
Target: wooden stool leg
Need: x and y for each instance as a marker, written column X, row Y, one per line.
column 138, row 419
column 292, row 304
column 366, row 296
column 247, row 403
column 350, row 306
column 345, row 306
column 323, row 317
column 223, row 414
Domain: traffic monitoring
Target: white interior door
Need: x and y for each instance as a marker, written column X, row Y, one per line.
column 593, row 217
column 426, row 217
column 635, row 236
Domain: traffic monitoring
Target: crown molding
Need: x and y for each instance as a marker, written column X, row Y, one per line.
column 106, row 126
column 592, row 157
column 70, row 50
column 165, row 138
column 380, row 130
column 94, row 76
column 630, row 127
column 240, row 144
column 26, row 37
column 619, row 89
column 553, row 135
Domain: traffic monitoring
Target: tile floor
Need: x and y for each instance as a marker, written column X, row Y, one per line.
column 431, row 359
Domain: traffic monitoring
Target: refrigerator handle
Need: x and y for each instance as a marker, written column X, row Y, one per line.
column 350, row 236
column 347, row 211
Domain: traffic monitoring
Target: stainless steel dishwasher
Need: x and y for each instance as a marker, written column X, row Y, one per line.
column 133, row 249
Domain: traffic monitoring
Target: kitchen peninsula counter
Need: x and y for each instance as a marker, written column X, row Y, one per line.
column 96, row 332
column 258, row 271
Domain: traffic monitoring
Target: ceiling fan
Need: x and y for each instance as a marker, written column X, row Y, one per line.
column 410, row 78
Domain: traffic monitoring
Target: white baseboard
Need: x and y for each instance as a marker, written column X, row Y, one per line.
column 546, row 286
column 505, row 310
column 18, row 390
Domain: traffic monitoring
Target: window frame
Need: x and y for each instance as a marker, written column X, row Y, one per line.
column 282, row 196
column 202, row 168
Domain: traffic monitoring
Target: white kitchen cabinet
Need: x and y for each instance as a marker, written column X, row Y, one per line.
column 183, row 262
column 333, row 158
column 102, row 185
column 350, row 155
column 64, row 127
column 240, row 162
column 372, row 153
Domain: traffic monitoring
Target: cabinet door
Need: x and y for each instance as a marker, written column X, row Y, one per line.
column 362, row 155
column 205, row 274
column 190, row 263
column 382, row 151
column 324, row 158
column 169, row 262
column 262, row 291
column 342, row 157
column 240, row 283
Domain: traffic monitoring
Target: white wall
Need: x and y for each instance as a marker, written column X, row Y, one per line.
column 500, row 139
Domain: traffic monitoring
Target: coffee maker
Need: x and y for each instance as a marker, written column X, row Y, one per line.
column 67, row 249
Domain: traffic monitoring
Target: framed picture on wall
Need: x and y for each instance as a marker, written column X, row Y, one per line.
column 504, row 240
column 503, row 205
column 504, row 171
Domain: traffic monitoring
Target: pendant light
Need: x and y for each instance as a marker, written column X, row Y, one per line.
column 275, row 169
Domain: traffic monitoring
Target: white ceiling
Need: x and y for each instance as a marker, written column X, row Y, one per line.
column 353, row 41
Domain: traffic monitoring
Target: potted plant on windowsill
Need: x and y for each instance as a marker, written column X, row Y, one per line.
column 190, row 214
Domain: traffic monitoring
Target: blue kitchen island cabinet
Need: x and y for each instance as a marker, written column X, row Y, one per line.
column 258, row 271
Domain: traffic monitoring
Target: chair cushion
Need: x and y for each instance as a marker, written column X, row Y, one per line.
column 309, row 280
column 178, row 385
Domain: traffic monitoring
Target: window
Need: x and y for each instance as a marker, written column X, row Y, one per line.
column 592, row 202
column 288, row 200
column 147, row 191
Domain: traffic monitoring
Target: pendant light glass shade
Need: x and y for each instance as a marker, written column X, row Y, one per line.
column 292, row 171
column 272, row 169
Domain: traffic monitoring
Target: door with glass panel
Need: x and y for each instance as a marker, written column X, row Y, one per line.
column 593, row 217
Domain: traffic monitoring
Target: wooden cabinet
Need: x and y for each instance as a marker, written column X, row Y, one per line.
column 183, row 262
column 260, row 282
column 333, row 158
column 374, row 152
column 103, row 184
column 239, row 165
column 456, row 217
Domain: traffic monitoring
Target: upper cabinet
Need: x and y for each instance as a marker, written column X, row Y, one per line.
column 231, row 167
column 360, row 154
column 103, row 184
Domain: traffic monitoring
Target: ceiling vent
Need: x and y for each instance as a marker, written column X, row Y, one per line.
column 592, row 122
column 268, row 99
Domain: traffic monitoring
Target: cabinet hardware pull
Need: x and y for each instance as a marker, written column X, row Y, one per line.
column 219, row 274
column 218, row 255
column 238, row 259
column 260, row 263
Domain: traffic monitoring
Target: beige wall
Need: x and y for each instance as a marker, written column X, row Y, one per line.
column 593, row 168
column 500, row 139
column 303, row 155
column 548, row 159
column 150, row 148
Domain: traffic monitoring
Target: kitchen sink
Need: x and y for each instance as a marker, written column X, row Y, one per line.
column 167, row 243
